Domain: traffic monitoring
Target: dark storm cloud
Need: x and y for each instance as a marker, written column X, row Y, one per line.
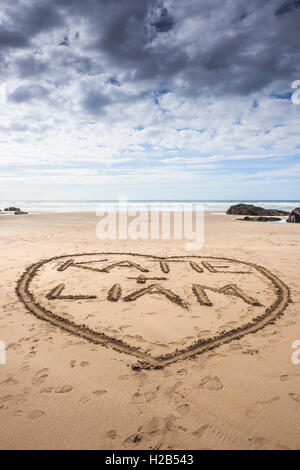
column 25, row 94
column 65, row 41
column 35, row 17
column 94, row 102
column 23, row 21
column 165, row 22
column 40, row 18
column 287, row 7
column 209, row 47
column 30, row 66
column 11, row 39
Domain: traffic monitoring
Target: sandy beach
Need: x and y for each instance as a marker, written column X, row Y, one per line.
column 143, row 372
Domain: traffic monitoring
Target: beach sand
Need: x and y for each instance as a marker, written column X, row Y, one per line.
column 144, row 373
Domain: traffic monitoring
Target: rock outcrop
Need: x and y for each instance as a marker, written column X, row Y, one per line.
column 249, row 209
column 19, row 212
column 16, row 210
column 294, row 216
column 12, row 209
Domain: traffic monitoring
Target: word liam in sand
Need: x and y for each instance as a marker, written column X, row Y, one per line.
column 208, row 279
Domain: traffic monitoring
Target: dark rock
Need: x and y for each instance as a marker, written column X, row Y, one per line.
column 16, row 210
column 12, row 209
column 294, row 216
column 19, row 212
column 262, row 219
column 249, row 209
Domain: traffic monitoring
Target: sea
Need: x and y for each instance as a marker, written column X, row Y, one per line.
column 217, row 206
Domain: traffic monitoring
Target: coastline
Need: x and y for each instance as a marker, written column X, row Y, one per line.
column 92, row 206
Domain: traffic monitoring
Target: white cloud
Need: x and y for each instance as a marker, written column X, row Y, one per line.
column 172, row 100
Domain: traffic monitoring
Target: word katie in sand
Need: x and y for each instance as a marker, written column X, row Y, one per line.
column 157, row 309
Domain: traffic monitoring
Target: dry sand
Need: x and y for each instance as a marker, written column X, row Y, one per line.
column 145, row 370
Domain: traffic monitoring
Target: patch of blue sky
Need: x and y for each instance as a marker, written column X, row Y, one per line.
column 160, row 92
column 282, row 96
column 113, row 81
column 181, row 129
column 146, row 146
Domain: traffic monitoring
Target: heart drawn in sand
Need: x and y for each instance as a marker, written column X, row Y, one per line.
column 158, row 309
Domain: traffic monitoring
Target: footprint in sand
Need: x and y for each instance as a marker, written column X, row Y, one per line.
column 84, row 364
column 289, row 378
column 174, row 390
column 250, row 351
column 259, row 407
column 47, row 390
column 36, row 414
column 84, row 400
column 99, row 393
column 10, row 381
column 181, row 372
column 183, row 409
column 140, row 398
column 14, row 346
column 14, row 401
column 157, row 426
column 295, row 397
column 134, row 439
column 112, row 434
column 259, row 441
column 40, row 377
column 123, row 327
column 154, row 426
column 64, row 389
column 212, row 384
column 199, row 432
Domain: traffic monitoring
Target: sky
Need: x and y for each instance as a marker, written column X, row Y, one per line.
column 150, row 99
